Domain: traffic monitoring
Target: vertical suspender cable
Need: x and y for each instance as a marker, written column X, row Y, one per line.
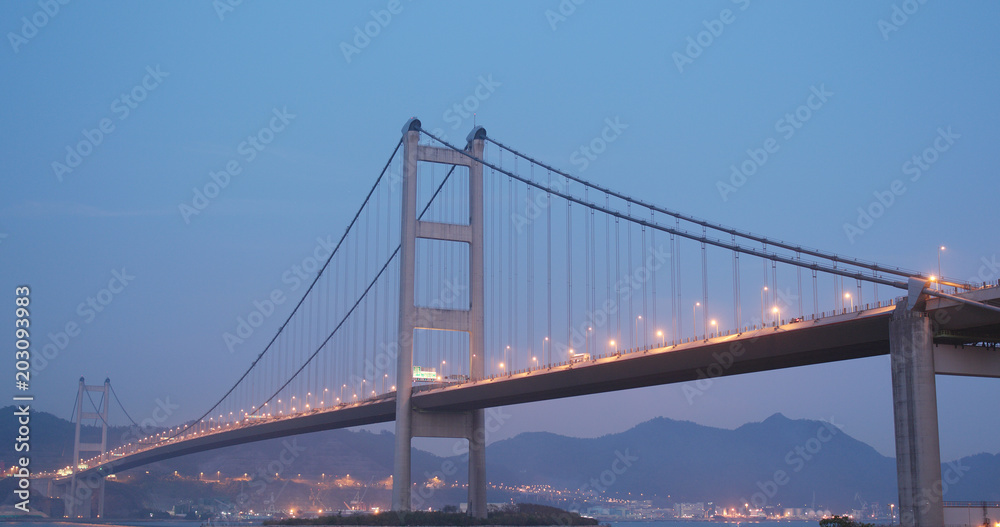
column 836, row 291
column 875, row 273
column 656, row 264
column 529, row 203
column 631, row 312
column 677, row 256
column 586, row 286
column 815, row 294
column 736, row 288
column 548, row 267
column 645, row 299
column 569, row 271
column 618, row 275
column 768, row 290
column 607, row 264
column 704, row 285
column 774, row 282
column 673, row 288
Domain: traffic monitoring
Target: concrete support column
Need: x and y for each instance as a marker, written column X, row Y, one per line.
column 914, row 397
column 477, row 326
column 477, row 465
column 407, row 321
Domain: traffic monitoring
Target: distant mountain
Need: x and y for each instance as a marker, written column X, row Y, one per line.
column 793, row 463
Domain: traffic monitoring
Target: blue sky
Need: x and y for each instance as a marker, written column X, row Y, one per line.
column 208, row 78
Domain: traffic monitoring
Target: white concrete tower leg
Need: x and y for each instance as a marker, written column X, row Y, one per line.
column 407, row 320
column 914, row 397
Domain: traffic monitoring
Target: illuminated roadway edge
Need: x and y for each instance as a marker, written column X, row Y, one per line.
column 834, row 338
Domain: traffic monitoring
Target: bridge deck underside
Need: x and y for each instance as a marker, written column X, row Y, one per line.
column 851, row 336
column 788, row 346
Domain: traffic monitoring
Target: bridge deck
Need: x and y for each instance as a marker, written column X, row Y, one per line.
column 853, row 335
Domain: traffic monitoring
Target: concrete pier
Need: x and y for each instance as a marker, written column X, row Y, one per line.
column 914, row 396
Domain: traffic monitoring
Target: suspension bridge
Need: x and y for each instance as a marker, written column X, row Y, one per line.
column 475, row 276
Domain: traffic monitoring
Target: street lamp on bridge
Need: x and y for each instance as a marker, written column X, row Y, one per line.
column 941, row 248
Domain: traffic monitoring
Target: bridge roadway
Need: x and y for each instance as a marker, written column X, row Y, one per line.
column 852, row 335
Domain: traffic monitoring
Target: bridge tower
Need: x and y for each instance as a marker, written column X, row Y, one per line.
column 410, row 421
column 78, row 502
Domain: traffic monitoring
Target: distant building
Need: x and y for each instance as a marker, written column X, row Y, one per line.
column 690, row 510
